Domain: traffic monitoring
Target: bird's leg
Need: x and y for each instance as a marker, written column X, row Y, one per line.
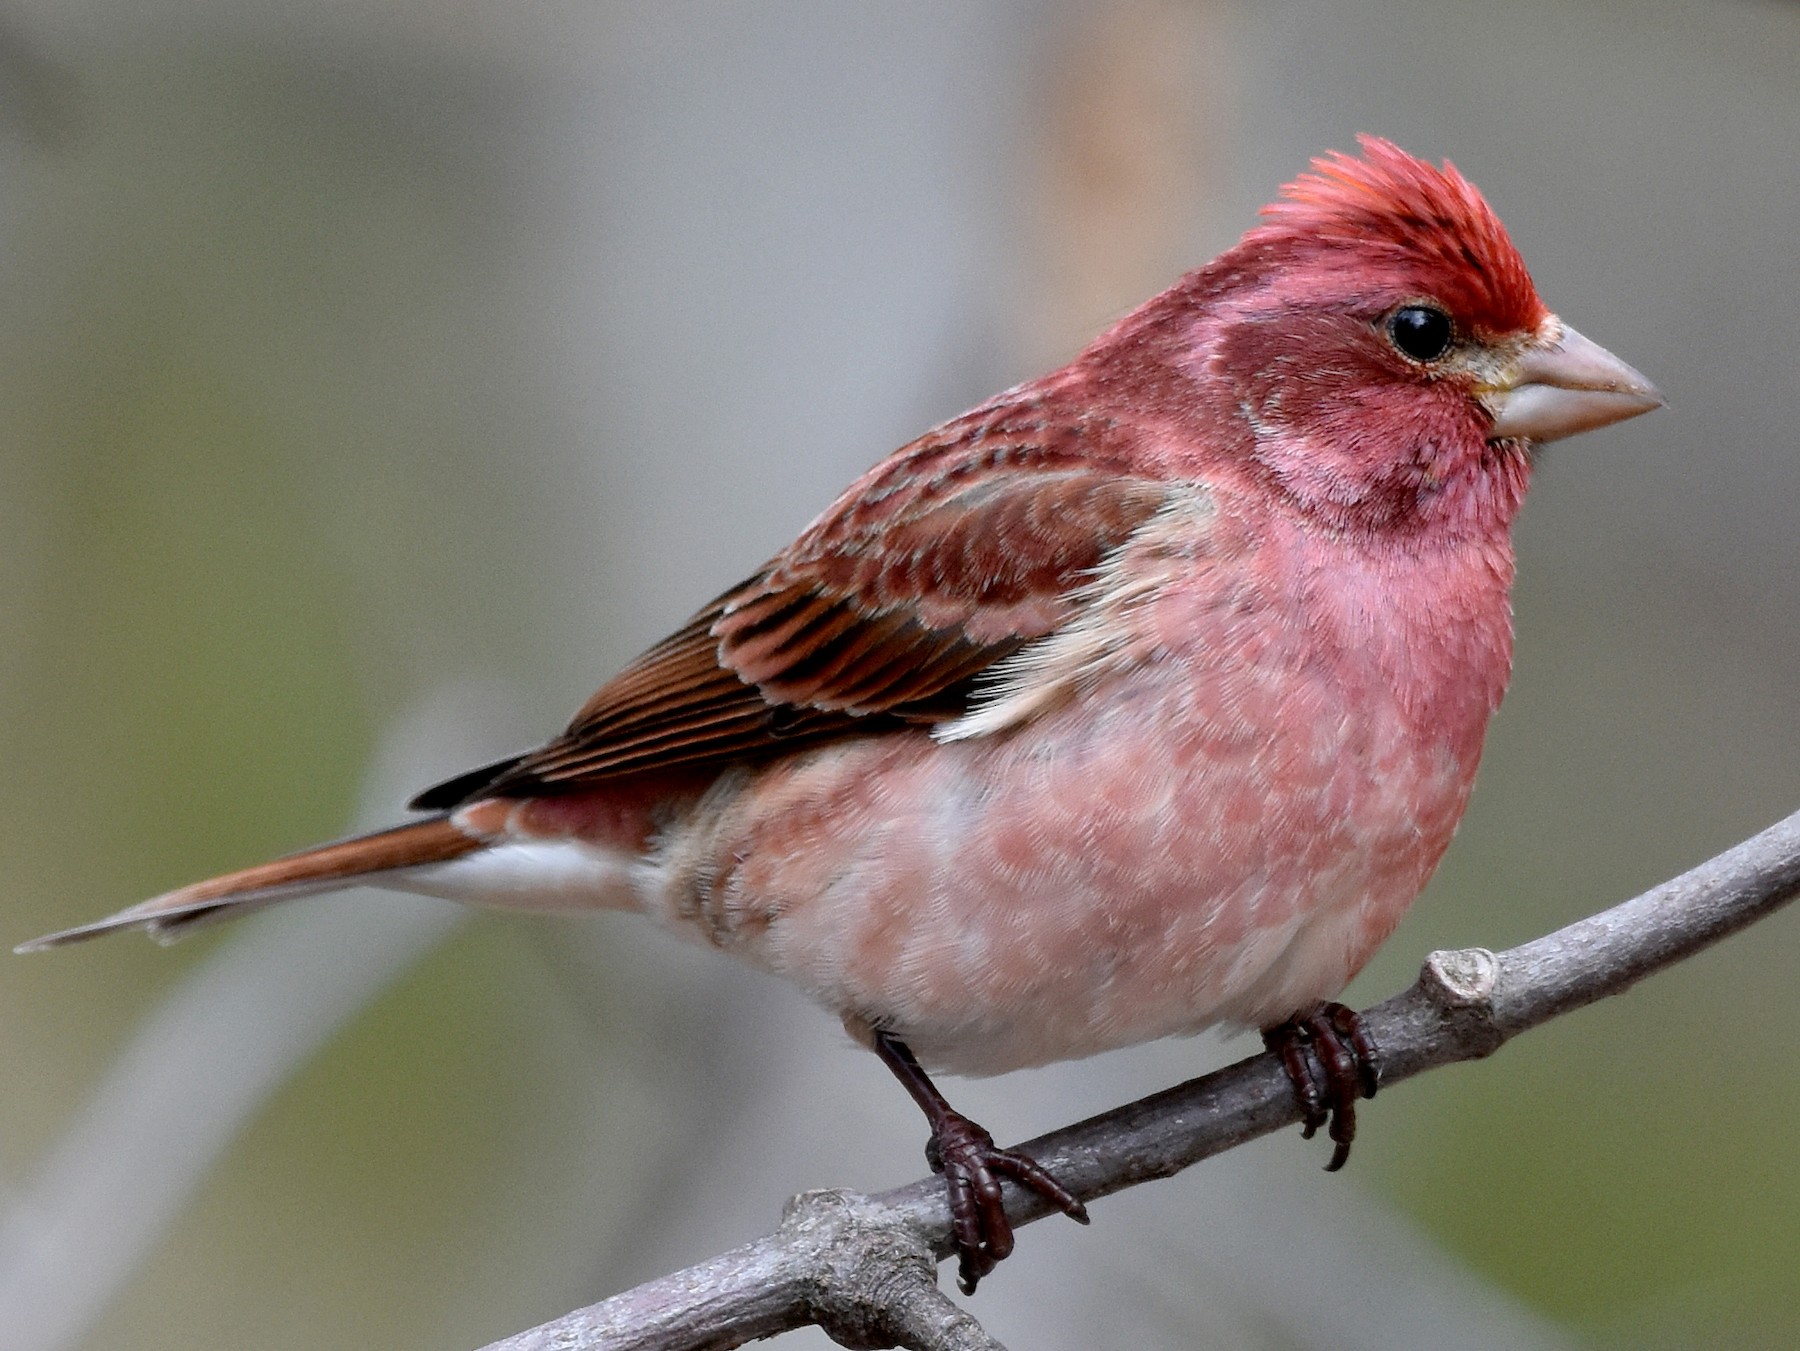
column 1347, row 1062
column 972, row 1166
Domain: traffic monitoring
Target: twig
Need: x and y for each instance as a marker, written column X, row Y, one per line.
column 859, row 1266
column 838, row 1260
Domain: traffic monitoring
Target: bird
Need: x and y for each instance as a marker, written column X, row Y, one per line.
column 1140, row 699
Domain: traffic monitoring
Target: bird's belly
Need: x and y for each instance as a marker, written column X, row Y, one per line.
column 1119, row 870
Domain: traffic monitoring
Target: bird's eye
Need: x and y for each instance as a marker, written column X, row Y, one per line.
column 1422, row 332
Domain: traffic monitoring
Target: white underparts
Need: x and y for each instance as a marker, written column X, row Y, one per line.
column 528, row 875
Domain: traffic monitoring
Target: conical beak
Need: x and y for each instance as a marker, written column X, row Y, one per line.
column 1567, row 386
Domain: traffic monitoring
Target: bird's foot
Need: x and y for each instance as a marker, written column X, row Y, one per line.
column 972, row 1166
column 1344, row 1064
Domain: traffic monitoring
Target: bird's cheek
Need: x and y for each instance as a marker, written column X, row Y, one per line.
column 1319, row 472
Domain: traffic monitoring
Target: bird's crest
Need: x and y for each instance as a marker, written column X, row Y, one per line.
column 1415, row 216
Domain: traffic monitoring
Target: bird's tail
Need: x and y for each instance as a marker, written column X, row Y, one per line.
column 328, row 867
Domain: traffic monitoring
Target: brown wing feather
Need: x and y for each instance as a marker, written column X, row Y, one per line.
column 948, row 556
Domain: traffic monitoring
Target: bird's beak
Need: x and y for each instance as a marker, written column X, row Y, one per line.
column 1566, row 385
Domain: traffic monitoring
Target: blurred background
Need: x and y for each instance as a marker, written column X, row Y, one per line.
column 376, row 379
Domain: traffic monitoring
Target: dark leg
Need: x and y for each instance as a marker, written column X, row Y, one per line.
column 972, row 1166
column 1344, row 1065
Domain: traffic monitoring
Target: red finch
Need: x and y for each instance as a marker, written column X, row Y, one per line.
column 1142, row 698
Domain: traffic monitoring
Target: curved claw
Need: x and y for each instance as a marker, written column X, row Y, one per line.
column 1346, row 1059
column 972, row 1165
column 1033, row 1176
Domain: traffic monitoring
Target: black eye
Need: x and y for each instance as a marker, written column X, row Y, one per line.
column 1422, row 332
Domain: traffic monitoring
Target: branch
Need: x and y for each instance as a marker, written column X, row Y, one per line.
column 864, row 1268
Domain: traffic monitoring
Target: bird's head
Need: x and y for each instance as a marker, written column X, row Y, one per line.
column 1380, row 353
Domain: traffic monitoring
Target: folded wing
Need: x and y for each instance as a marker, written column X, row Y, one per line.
column 884, row 613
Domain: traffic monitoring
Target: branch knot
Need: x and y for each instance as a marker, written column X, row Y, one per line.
column 1460, row 979
column 1460, row 984
column 874, row 1283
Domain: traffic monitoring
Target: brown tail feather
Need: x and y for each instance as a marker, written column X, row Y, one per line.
column 326, row 868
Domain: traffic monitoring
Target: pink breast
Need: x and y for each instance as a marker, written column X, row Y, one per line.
column 1224, row 831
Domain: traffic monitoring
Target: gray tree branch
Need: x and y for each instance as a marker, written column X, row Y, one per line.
column 864, row 1268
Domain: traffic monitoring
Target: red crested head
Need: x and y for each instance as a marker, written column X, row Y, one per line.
column 1402, row 220
column 1373, row 353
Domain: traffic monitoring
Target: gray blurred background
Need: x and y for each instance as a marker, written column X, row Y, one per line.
column 375, row 379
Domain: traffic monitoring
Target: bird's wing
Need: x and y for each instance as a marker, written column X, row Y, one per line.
column 943, row 559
